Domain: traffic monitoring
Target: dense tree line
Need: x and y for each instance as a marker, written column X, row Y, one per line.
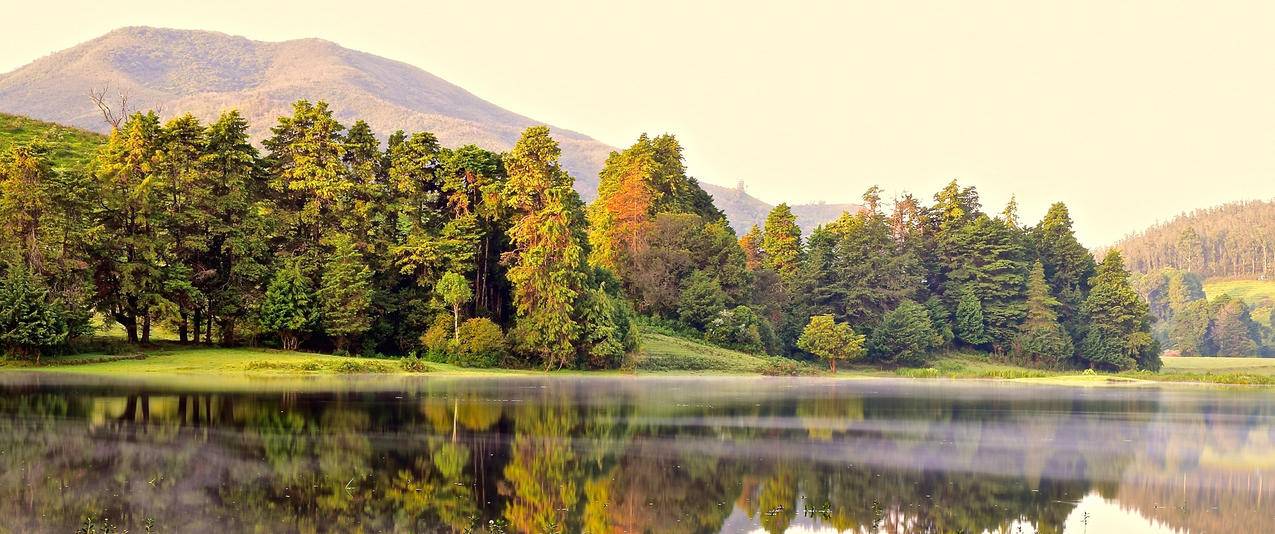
column 1236, row 239
column 1191, row 325
column 331, row 241
column 895, row 286
column 327, row 240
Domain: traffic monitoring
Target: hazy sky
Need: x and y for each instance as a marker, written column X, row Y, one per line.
column 1128, row 111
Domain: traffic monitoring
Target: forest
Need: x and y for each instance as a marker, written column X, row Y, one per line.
column 325, row 240
column 1231, row 240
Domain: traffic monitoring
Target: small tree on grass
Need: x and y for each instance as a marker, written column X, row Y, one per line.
column 454, row 290
column 30, row 322
column 828, row 339
column 289, row 306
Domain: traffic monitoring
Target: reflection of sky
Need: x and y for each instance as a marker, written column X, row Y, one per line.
column 1093, row 514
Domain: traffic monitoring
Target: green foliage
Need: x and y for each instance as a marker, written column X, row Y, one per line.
column 740, row 327
column 828, row 339
column 702, row 300
column 906, row 336
column 289, row 307
column 781, row 243
column 480, row 343
column 970, row 327
column 345, row 296
column 454, row 290
column 1120, row 322
column 30, row 322
column 1042, row 341
column 940, row 319
column 71, row 149
column 548, row 270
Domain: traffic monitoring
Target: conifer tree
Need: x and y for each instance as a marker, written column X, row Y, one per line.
column 781, row 243
column 906, row 336
column 307, row 174
column 1119, row 334
column 345, row 296
column 1041, row 339
column 30, row 321
column 970, row 327
column 1068, row 265
column 548, row 238
column 701, row 300
column 289, row 307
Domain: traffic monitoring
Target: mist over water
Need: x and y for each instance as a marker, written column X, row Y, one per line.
column 635, row 455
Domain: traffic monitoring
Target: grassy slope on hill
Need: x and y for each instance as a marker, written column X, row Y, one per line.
column 72, row 148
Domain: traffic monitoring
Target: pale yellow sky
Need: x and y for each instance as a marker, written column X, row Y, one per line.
column 1128, row 111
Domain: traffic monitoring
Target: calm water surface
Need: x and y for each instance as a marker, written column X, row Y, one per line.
column 635, row 455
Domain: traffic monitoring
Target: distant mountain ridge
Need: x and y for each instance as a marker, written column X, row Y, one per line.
column 204, row 73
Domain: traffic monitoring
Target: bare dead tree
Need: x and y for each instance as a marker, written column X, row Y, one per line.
column 113, row 116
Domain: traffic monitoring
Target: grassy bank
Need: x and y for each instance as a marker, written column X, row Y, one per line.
column 660, row 354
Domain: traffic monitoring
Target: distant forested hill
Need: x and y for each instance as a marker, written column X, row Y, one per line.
column 1232, row 240
column 205, row 73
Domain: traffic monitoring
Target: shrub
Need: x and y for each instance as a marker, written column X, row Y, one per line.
column 701, row 300
column 438, row 339
column 740, row 327
column 482, row 344
column 415, row 364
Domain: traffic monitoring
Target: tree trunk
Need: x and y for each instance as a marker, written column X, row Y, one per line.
column 227, row 332
column 208, row 335
column 198, row 323
column 146, row 330
column 456, row 322
column 183, row 329
column 833, row 361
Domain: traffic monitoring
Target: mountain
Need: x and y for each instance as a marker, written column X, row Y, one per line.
column 202, row 72
column 1232, row 240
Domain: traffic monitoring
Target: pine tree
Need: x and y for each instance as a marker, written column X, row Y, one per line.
column 307, row 174
column 548, row 257
column 289, row 306
column 1068, row 265
column 1041, row 339
column 30, row 322
column 345, row 296
column 781, row 243
column 970, row 327
column 1119, row 321
column 989, row 259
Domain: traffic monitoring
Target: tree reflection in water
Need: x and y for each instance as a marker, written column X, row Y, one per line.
column 637, row 455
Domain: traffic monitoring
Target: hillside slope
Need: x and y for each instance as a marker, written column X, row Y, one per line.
column 204, row 73
column 71, row 147
column 1231, row 240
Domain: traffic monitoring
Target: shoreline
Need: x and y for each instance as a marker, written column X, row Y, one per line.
column 255, row 369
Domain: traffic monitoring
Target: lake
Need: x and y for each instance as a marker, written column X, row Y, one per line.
column 634, row 455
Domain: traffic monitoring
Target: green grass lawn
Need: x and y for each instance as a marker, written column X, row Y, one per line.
column 71, row 147
column 249, row 368
column 665, row 353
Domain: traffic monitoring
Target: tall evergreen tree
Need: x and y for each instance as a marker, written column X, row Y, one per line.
column 547, row 272
column 345, row 296
column 31, row 322
column 1119, row 335
column 1068, row 265
column 308, row 176
column 289, row 308
column 1041, row 339
column 781, row 243
column 970, row 326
